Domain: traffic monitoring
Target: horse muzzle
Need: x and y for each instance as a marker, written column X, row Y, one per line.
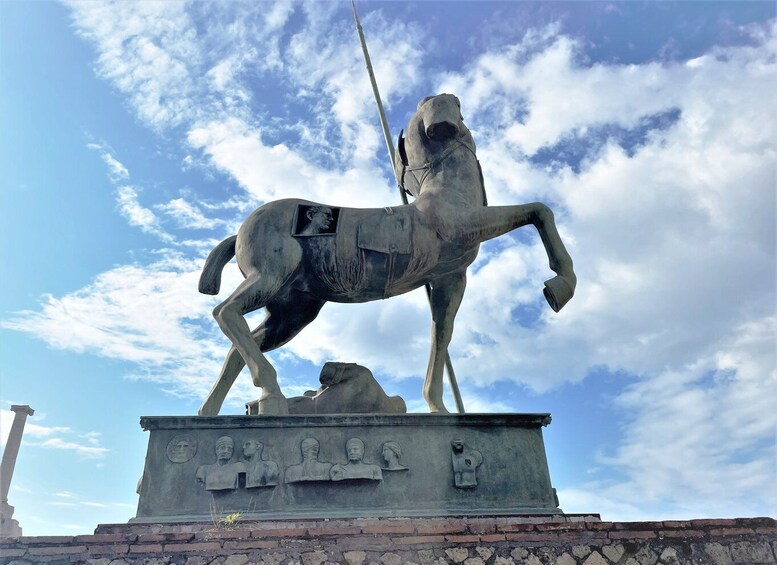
column 441, row 117
column 442, row 131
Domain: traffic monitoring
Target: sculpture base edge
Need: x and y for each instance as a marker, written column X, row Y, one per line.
column 409, row 465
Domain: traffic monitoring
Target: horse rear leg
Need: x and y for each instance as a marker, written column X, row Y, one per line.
column 486, row 223
column 253, row 293
column 444, row 300
column 283, row 321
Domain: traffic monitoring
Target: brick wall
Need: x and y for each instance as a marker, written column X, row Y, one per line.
column 556, row 540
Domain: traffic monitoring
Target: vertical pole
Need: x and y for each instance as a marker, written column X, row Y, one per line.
column 7, row 525
column 390, row 146
column 378, row 101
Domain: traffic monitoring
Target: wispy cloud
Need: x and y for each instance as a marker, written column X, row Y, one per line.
column 137, row 215
column 152, row 72
column 188, row 215
column 117, row 171
column 87, row 451
column 31, row 429
column 151, row 315
column 127, row 196
column 54, row 437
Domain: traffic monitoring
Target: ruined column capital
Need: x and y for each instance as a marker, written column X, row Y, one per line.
column 23, row 408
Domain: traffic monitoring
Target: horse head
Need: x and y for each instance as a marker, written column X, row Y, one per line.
column 435, row 131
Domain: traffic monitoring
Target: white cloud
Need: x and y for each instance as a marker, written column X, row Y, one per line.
column 693, row 429
column 19, row 489
column 644, row 301
column 127, row 196
column 95, row 504
column 188, row 215
column 150, row 315
column 31, row 429
column 87, row 451
column 327, row 66
column 145, row 50
column 117, row 171
column 176, row 77
column 49, row 434
column 269, row 173
column 93, row 438
column 137, row 215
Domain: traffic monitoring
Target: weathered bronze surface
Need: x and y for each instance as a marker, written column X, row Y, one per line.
column 297, row 255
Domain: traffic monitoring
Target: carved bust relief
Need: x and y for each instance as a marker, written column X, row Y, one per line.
column 355, row 468
column 465, row 463
column 310, row 469
column 391, row 452
column 224, row 474
column 259, row 473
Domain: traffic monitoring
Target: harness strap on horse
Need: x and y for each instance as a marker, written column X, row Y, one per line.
column 429, row 165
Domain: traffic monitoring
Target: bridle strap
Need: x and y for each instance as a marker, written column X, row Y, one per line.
column 428, row 166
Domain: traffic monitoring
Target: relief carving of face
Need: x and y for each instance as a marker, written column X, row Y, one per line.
column 355, row 450
column 310, row 448
column 224, row 448
column 181, row 449
column 251, row 448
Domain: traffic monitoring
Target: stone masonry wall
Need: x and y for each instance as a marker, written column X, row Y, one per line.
column 552, row 540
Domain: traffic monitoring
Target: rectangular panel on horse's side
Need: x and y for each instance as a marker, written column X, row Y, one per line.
column 311, row 220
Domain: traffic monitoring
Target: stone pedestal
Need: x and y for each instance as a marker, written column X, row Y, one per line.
column 201, row 469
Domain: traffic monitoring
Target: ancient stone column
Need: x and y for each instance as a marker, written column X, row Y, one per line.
column 9, row 526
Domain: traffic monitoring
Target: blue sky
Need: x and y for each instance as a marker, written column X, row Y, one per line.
column 135, row 136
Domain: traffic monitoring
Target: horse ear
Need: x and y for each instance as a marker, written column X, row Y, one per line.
column 400, row 163
column 401, row 148
column 421, row 103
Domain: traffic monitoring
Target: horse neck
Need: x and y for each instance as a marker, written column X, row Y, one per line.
column 457, row 178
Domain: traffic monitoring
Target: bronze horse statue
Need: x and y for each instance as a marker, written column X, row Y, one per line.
column 297, row 255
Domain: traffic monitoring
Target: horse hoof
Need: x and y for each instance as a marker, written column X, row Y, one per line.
column 558, row 291
column 272, row 405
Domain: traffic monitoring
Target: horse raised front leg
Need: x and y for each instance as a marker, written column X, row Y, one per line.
column 486, row 223
column 445, row 300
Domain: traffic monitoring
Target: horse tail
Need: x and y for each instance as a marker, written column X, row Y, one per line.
column 210, row 279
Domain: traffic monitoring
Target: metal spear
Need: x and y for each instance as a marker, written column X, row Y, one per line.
column 390, row 146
